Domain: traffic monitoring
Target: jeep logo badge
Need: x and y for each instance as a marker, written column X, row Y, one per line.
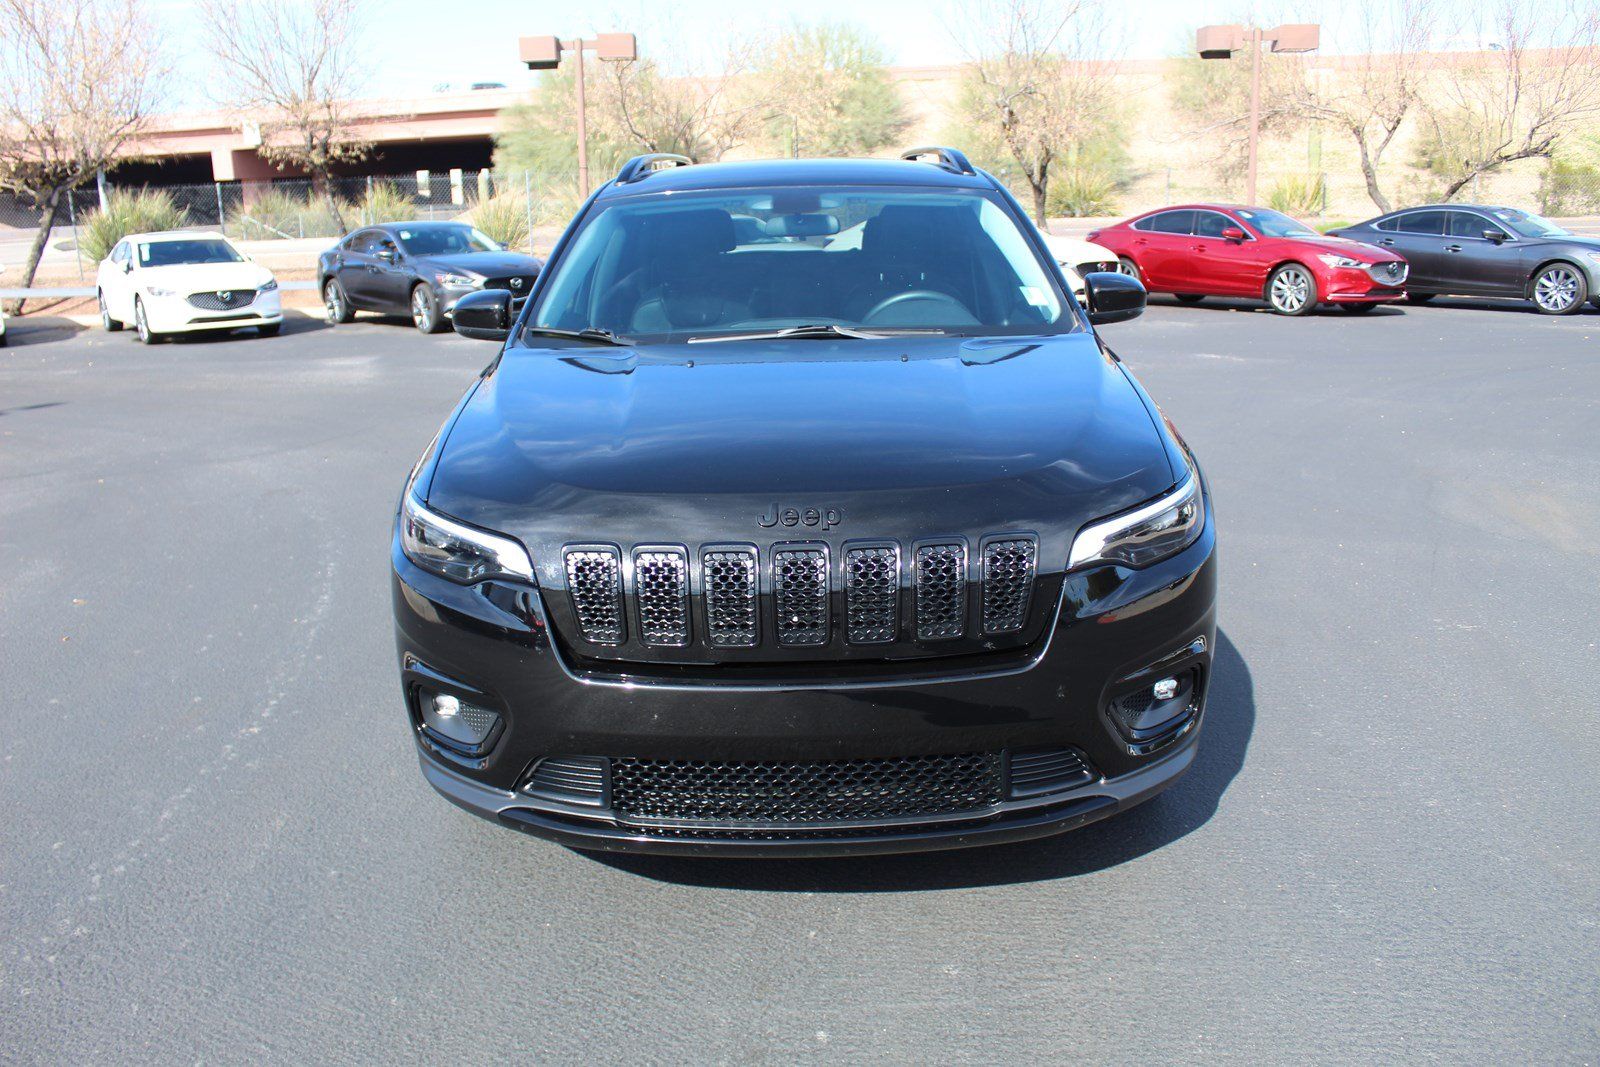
column 825, row 517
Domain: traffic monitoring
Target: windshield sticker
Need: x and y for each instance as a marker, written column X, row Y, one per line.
column 1035, row 296
column 405, row 235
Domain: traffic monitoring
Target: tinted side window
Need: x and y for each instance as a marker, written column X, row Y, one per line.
column 1469, row 224
column 1429, row 222
column 1169, row 222
column 1390, row 225
column 367, row 241
column 1211, row 224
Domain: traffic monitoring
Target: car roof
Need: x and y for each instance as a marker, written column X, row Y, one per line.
column 424, row 224
column 175, row 235
column 746, row 174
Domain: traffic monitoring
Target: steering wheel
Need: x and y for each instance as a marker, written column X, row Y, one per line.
column 943, row 300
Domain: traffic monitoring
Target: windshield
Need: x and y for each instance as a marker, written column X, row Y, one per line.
column 198, row 250
column 1528, row 224
column 446, row 240
column 699, row 265
column 1271, row 223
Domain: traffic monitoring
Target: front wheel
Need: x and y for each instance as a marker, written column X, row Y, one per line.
column 142, row 325
column 1129, row 267
column 1292, row 290
column 335, row 303
column 425, row 310
column 109, row 324
column 1560, row 289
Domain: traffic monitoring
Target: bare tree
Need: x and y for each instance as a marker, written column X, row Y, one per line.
column 77, row 84
column 1044, row 81
column 1375, row 90
column 699, row 114
column 295, row 66
column 1538, row 82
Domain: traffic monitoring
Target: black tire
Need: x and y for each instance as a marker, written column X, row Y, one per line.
column 1190, row 298
column 1292, row 290
column 1129, row 267
column 109, row 324
column 336, row 305
column 1559, row 289
column 270, row 329
column 1359, row 309
column 140, row 324
column 425, row 310
column 5, row 339
column 1420, row 298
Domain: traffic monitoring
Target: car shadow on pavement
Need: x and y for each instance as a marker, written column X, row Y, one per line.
column 292, row 325
column 40, row 329
column 1243, row 303
column 1188, row 805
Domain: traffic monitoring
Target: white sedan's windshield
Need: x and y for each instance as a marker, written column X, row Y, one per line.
column 199, row 250
column 700, row 265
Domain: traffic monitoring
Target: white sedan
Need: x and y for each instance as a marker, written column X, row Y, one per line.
column 176, row 282
column 1077, row 258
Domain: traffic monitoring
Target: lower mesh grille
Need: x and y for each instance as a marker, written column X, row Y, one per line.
column 802, row 793
column 223, row 300
column 1048, row 770
column 800, row 594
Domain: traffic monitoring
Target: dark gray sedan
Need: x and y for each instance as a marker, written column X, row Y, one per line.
column 1469, row 250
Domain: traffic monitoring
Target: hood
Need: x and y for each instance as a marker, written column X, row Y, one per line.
column 902, row 439
column 488, row 264
column 206, row 277
column 1344, row 246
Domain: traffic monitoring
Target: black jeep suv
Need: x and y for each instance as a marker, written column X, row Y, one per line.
column 803, row 512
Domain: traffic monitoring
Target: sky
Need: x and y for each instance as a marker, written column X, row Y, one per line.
column 416, row 49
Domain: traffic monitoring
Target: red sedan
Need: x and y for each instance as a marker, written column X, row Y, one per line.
column 1201, row 250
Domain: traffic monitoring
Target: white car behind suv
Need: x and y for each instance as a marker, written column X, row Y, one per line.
column 1077, row 258
column 180, row 282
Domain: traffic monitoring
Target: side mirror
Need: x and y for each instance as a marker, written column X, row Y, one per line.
column 484, row 315
column 1113, row 297
column 388, row 255
column 1232, row 233
column 1494, row 237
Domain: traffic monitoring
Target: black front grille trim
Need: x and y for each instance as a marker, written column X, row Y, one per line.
column 940, row 582
column 594, row 584
column 661, row 595
column 801, row 593
column 730, row 577
column 871, row 592
column 1008, row 565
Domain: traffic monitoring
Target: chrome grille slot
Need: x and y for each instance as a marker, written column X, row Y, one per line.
column 661, row 595
column 1008, row 566
column 872, row 594
column 729, row 576
column 800, row 594
column 941, row 591
column 594, row 580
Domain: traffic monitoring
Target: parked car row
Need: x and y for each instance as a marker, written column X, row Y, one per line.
column 1198, row 250
column 181, row 282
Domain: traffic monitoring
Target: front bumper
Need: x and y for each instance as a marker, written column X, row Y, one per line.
column 174, row 314
column 491, row 645
column 1360, row 285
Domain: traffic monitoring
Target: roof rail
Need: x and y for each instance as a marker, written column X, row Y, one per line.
column 640, row 166
column 951, row 159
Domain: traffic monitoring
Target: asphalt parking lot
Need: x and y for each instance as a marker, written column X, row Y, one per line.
column 217, row 845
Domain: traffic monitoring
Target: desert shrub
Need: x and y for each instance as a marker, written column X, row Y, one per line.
column 127, row 211
column 1570, row 186
column 503, row 217
column 1299, row 194
column 384, row 202
column 1083, row 192
column 281, row 213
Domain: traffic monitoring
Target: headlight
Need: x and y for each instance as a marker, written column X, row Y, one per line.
column 460, row 553
column 153, row 290
column 458, row 281
column 272, row 283
column 1150, row 534
column 1340, row 261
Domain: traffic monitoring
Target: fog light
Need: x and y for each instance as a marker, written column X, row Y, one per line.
column 1152, row 716
column 457, row 724
column 1165, row 689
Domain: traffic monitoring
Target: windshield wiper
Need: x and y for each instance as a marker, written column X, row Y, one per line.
column 817, row 330
column 588, row 333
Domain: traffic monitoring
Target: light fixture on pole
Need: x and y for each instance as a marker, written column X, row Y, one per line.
column 1221, row 42
column 544, row 53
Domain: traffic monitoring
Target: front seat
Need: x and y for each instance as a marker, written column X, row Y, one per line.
column 694, row 283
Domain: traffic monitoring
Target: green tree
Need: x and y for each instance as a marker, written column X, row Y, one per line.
column 826, row 91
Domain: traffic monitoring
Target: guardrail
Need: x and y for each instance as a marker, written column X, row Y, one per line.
column 36, row 294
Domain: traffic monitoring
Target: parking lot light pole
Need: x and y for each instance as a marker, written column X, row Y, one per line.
column 1221, row 42
column 544, row 53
